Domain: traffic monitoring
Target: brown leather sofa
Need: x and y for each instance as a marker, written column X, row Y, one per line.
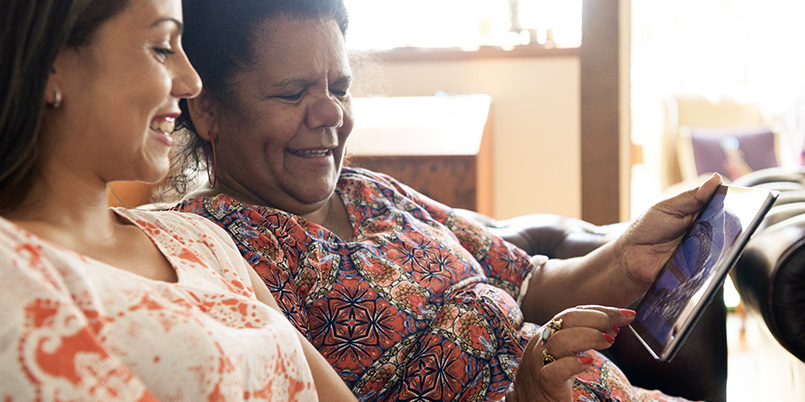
column 698, row 372
column 770, row 275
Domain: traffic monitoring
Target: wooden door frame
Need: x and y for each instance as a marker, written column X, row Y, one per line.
column 605, row 118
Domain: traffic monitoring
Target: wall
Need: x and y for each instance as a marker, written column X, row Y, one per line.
column 535, row 112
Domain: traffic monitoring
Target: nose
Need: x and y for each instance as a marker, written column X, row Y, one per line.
column 326, row 111
column 186, row 81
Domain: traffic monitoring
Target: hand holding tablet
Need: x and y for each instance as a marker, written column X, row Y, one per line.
column 698, row 267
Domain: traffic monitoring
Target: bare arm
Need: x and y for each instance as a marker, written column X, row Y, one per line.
column 329, row 385
column 619, row 272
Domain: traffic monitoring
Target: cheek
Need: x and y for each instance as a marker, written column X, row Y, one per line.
column 152, row 84
column 346, row 129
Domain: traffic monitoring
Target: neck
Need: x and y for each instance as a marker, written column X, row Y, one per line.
column 317, row 213
column 63, row 203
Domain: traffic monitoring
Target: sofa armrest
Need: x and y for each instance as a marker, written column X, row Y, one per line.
column 770, row 278
column 550, row 235
column 770, row 275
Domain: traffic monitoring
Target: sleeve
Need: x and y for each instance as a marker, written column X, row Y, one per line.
column 48, row 348
column 505, row 265
column 274, row 260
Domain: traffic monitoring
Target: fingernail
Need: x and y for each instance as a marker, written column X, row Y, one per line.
column 585, row 360
column 609, row 338
column 627, row 312
column 616, row 328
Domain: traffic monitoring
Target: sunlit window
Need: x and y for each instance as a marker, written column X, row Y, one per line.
column 464, row 24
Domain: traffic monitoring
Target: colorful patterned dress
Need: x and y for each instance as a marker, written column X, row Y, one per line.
column 76, row 329
column 419, row 305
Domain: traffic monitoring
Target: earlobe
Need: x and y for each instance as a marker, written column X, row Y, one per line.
column 53, row 95
column 60, row 73
column 202, row 112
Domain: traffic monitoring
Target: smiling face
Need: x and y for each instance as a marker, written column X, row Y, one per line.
column 280, row 140
column 121, row 95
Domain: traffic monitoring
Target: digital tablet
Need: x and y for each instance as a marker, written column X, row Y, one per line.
column 698, row 267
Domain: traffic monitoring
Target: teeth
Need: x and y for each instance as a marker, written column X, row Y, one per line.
column 164, row 125
column 311, row 153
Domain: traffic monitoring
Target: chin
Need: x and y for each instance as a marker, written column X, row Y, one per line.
column 319, row 196
column 153, row 175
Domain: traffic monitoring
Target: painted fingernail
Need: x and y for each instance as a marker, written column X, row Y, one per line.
column 627, row 312
column 585, row 360
column 609, row 338
column 616, row 328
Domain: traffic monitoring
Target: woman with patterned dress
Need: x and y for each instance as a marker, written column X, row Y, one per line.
column 405, row 299
column 105, row 304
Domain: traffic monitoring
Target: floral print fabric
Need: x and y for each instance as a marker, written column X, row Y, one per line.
column 73, row 328
column 418, row 305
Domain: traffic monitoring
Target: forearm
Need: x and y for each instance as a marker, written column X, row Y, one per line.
column 601, row 277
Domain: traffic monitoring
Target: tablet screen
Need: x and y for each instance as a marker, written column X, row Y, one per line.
column 698, row 267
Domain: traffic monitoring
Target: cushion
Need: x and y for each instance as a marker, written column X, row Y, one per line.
column 732, row 152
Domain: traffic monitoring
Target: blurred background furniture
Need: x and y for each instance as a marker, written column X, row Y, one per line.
column 732, row 152
column 695, row 122
column 440, row 145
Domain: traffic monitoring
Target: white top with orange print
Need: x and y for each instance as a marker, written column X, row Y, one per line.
column 74, row 328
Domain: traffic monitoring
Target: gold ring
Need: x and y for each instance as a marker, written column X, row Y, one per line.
column 547, row 358
column 555, row 325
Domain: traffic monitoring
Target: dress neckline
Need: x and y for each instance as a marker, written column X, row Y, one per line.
column 130, row 217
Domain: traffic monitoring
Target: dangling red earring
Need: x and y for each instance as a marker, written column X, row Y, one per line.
column 211, row 177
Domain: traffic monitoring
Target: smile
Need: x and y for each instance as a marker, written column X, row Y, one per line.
column 165, row 125
column 310, row 153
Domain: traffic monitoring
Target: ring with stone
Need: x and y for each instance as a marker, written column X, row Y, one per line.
column 546, row 333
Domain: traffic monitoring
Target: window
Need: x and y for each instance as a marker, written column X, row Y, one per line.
column 464, row 24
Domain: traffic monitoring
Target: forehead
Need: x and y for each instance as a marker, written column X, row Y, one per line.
column 145, row 14
column 300, row 45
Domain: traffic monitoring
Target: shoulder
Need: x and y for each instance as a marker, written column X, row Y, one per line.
column 172, row 218
column 352, row 177
column 364, row 175
column 184, row 224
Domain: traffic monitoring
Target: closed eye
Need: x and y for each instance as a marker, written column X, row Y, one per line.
column 340, row 94
column 291, row 98
column 163, row 53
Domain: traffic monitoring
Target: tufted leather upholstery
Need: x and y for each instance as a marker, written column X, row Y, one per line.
column 770, row 276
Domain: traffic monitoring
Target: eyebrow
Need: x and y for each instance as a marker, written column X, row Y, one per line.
column 163, row 20
column 294, row 82
column 303, row 82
